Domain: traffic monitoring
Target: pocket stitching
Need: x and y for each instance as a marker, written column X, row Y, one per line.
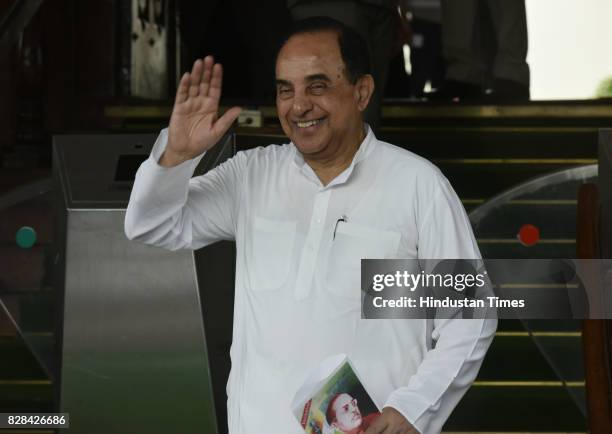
column 391, row 239
column 263, row 227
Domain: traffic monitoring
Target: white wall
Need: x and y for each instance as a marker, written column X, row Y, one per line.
column 570, row 47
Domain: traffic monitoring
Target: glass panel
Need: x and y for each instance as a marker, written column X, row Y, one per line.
column 537, row 219
column 26, row 252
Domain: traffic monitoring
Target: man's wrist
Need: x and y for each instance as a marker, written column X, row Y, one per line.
column 170, row 159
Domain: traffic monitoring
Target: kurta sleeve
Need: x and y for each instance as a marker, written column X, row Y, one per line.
column 459, row 345
column 168, row 208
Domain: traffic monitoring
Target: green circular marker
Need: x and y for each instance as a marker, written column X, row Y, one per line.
column 25, row 237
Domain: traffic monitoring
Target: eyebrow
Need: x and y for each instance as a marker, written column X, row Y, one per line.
column 280, row 82
column 316, row 77
column 309, row 78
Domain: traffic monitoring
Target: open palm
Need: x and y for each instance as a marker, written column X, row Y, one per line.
column 195, row 126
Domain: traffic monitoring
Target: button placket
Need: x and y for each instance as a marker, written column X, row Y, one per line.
column 312, row 245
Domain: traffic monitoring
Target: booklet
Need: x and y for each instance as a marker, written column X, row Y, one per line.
column 333, row 400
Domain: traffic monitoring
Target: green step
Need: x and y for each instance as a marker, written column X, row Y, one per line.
column 24, row 386
column 518, row 358
column 511, row 248
column 542, row 325
column 17, row 361
column 26, row 396
column 519, row 409
column 495, row 142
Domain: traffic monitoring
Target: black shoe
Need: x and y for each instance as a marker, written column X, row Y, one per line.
column 507, row 91
column 456, row 91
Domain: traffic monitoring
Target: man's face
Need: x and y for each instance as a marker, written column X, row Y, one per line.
column 319, row 109
column 348, row 416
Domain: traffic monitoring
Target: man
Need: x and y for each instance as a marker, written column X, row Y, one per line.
column 343, row 415
column 302, row 215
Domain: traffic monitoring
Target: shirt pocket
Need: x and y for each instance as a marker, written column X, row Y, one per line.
column 351, row 244
column 270, row 253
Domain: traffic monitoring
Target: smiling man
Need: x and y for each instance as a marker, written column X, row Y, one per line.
column 320, row 102
column 303, row 214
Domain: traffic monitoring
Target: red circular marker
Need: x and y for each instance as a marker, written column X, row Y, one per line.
column 528, row 235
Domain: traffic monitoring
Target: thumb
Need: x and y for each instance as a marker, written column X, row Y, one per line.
column 378, row 426
column 225, row 121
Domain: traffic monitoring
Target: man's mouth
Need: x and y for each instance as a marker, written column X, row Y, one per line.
column 306, row 124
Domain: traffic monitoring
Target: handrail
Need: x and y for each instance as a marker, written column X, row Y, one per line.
column 581, row 172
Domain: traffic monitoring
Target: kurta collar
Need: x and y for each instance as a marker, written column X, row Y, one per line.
column 366, row 146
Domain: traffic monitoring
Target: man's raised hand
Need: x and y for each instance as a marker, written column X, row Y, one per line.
column 195, row 126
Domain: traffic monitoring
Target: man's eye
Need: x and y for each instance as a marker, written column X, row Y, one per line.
column 318, row 88
column 284, row 92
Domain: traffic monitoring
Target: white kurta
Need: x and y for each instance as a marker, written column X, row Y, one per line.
column 297, row 286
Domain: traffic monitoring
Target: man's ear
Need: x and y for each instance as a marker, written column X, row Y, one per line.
column 364, row 88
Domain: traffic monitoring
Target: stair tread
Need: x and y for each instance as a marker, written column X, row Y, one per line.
column 520, row 359
column 516, row 409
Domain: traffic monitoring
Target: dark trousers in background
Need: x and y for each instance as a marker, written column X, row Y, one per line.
column 466, row 43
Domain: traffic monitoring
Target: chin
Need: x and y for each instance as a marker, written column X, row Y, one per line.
column 308, row 146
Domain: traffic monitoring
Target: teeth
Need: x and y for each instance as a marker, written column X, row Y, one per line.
column 308, row 123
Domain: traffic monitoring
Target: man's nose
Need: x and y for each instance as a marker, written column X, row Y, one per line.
column 301, row 104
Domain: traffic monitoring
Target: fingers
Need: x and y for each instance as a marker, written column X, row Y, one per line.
column 205, row 84
column 198, row 81
column 216, row 82
column 225, row 121
column 195, row 78
column 379, row 426
column 183, row 89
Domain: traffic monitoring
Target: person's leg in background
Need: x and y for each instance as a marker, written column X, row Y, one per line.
column 381, row 38
column 426, row 56
column 510, row 69
column 461, row 47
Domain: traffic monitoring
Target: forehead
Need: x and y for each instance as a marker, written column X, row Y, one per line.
column 310, row 53
column 342, row 400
